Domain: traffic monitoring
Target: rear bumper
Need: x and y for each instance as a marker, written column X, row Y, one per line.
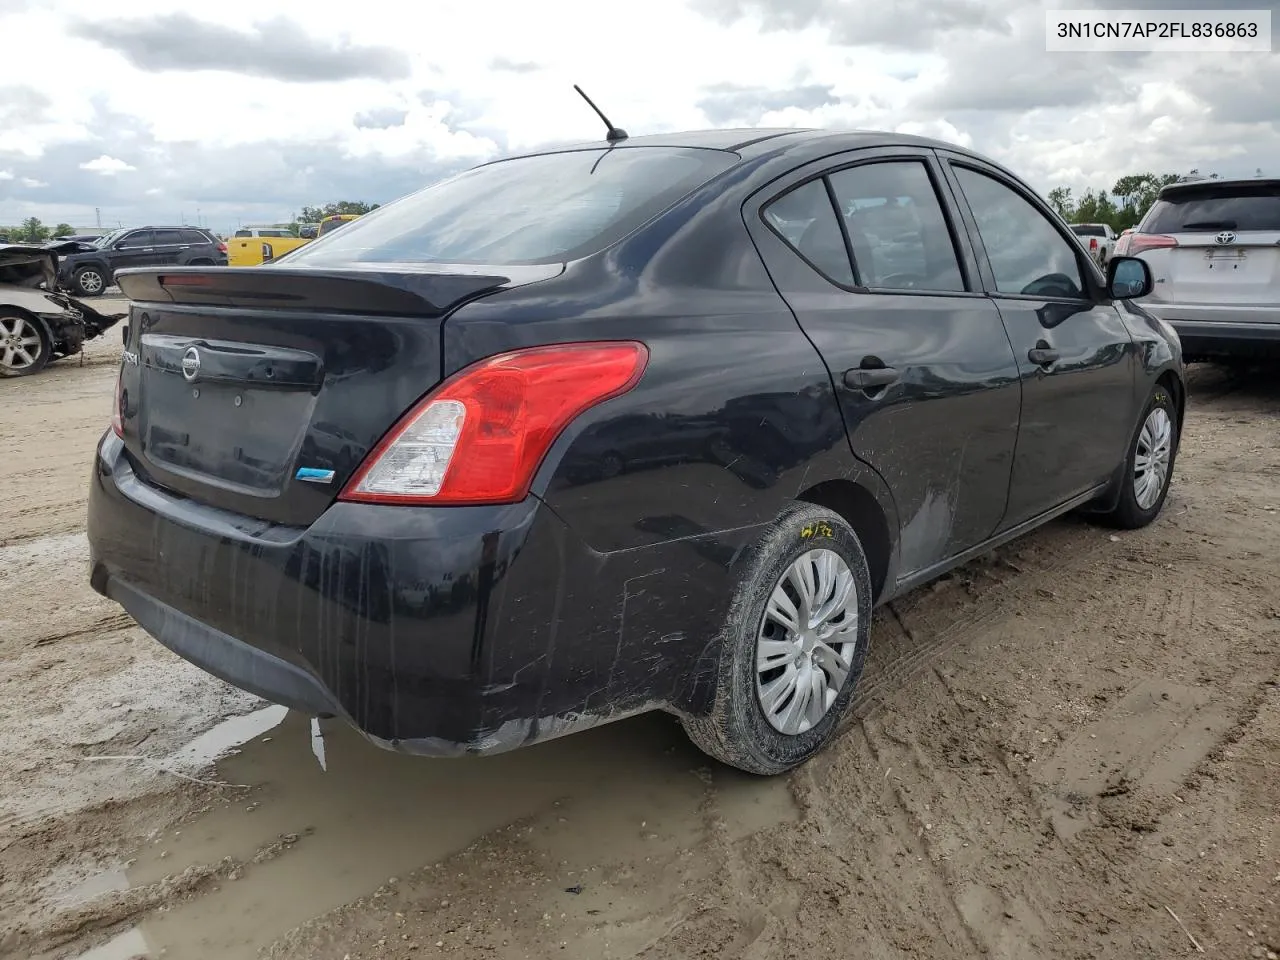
column 432, row 631
column 1222, row 331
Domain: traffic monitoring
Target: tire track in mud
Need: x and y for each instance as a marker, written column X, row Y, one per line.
column 923, row 629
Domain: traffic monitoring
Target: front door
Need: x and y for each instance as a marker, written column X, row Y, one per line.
column 885, row 287
column 135, row 249
column 1076, row 360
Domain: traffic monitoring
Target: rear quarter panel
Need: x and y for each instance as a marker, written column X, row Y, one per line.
column 671, row 485
column 735, row 415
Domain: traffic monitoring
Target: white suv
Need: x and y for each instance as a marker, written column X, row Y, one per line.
column 1214, row 251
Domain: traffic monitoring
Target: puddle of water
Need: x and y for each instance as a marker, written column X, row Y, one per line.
column 90, row 888
column 368, row 815
column 225, row 737
column 129, row 945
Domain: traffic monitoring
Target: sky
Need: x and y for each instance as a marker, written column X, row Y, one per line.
column 146, row 111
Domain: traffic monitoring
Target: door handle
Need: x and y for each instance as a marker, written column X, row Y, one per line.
column 1042, row 355
column 870, row 378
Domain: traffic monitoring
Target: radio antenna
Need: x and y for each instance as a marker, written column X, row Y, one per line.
column 615, row 133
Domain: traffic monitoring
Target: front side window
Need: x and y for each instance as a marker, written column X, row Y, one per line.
column 1028, row 256
column 806, row 220
column 139, row 238
column 540, row 209
column 896, row 227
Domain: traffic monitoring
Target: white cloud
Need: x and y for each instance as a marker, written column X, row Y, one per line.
column 461, row 81
column 107, row 166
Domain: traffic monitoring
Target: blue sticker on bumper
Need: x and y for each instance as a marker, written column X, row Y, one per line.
column 313, row 475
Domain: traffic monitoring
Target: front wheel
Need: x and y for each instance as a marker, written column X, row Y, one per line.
column 24, row 346
column 793, row 645
column 1148, row 468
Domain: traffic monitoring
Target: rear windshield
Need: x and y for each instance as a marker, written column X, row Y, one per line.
column 542, row 209
column 1208, row 209
column 1089, row 230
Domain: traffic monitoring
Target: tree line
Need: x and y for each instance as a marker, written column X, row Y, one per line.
column 1124, row 205
column 32, row 230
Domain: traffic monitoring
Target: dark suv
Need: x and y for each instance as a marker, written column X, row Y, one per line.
column 89, row 273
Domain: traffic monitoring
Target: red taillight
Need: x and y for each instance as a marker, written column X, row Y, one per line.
column 222, row 247
column 480, row 436
column 1148, row 241
column 117, row 406
column 185, row 280
column 1093, row 243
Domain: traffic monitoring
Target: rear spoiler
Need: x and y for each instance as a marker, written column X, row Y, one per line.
column 416, row 290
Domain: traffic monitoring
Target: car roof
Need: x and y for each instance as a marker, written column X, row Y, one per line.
column 756, row 140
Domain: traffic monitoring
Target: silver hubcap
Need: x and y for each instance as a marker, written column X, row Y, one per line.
column 90, row 282
column 807, row 639
column 19, row 343
column 1151, row 464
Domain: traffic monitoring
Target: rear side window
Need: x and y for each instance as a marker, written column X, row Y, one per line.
column 1209, row 209
column 896, row 227
column 540, row 209
column 194, row 237
column 806, row 220
column 169, row 238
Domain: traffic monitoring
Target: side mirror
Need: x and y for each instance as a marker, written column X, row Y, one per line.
column 1128, row 278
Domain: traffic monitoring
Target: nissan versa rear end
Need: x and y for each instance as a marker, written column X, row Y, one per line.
column 609, row 429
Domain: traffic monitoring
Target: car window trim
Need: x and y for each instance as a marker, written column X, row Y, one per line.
column 142, row 231
column 1096, row 292
column 877, row 155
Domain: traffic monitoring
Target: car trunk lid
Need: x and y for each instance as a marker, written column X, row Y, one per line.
column 259, row 390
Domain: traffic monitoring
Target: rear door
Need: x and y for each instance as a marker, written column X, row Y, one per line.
column 1215, row 243
column 1076, row 360
column 868, row 258
column 170, row 247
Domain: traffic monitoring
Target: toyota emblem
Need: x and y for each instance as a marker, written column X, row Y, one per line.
column 191, row 364
column 1226, row 236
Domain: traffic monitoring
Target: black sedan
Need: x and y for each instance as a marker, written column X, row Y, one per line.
column 646, row 425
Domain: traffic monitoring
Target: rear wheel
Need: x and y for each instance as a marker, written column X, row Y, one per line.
column 89, row 281
column 1148, row 467
column 794, row 644
column 24, row 346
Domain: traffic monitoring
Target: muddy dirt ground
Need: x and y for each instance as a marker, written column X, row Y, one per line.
column 1068, row 749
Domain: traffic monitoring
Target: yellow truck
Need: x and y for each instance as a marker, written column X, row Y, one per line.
column 331, row 223
column 254, row 245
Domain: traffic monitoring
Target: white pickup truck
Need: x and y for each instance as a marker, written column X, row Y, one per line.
column 1099, row 238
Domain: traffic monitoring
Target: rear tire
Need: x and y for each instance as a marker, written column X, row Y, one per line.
column 89, row 282
column 1148, row 466
column 807, row 676
column 24, row 345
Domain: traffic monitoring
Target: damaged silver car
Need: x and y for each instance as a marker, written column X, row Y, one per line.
column 37, row 324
